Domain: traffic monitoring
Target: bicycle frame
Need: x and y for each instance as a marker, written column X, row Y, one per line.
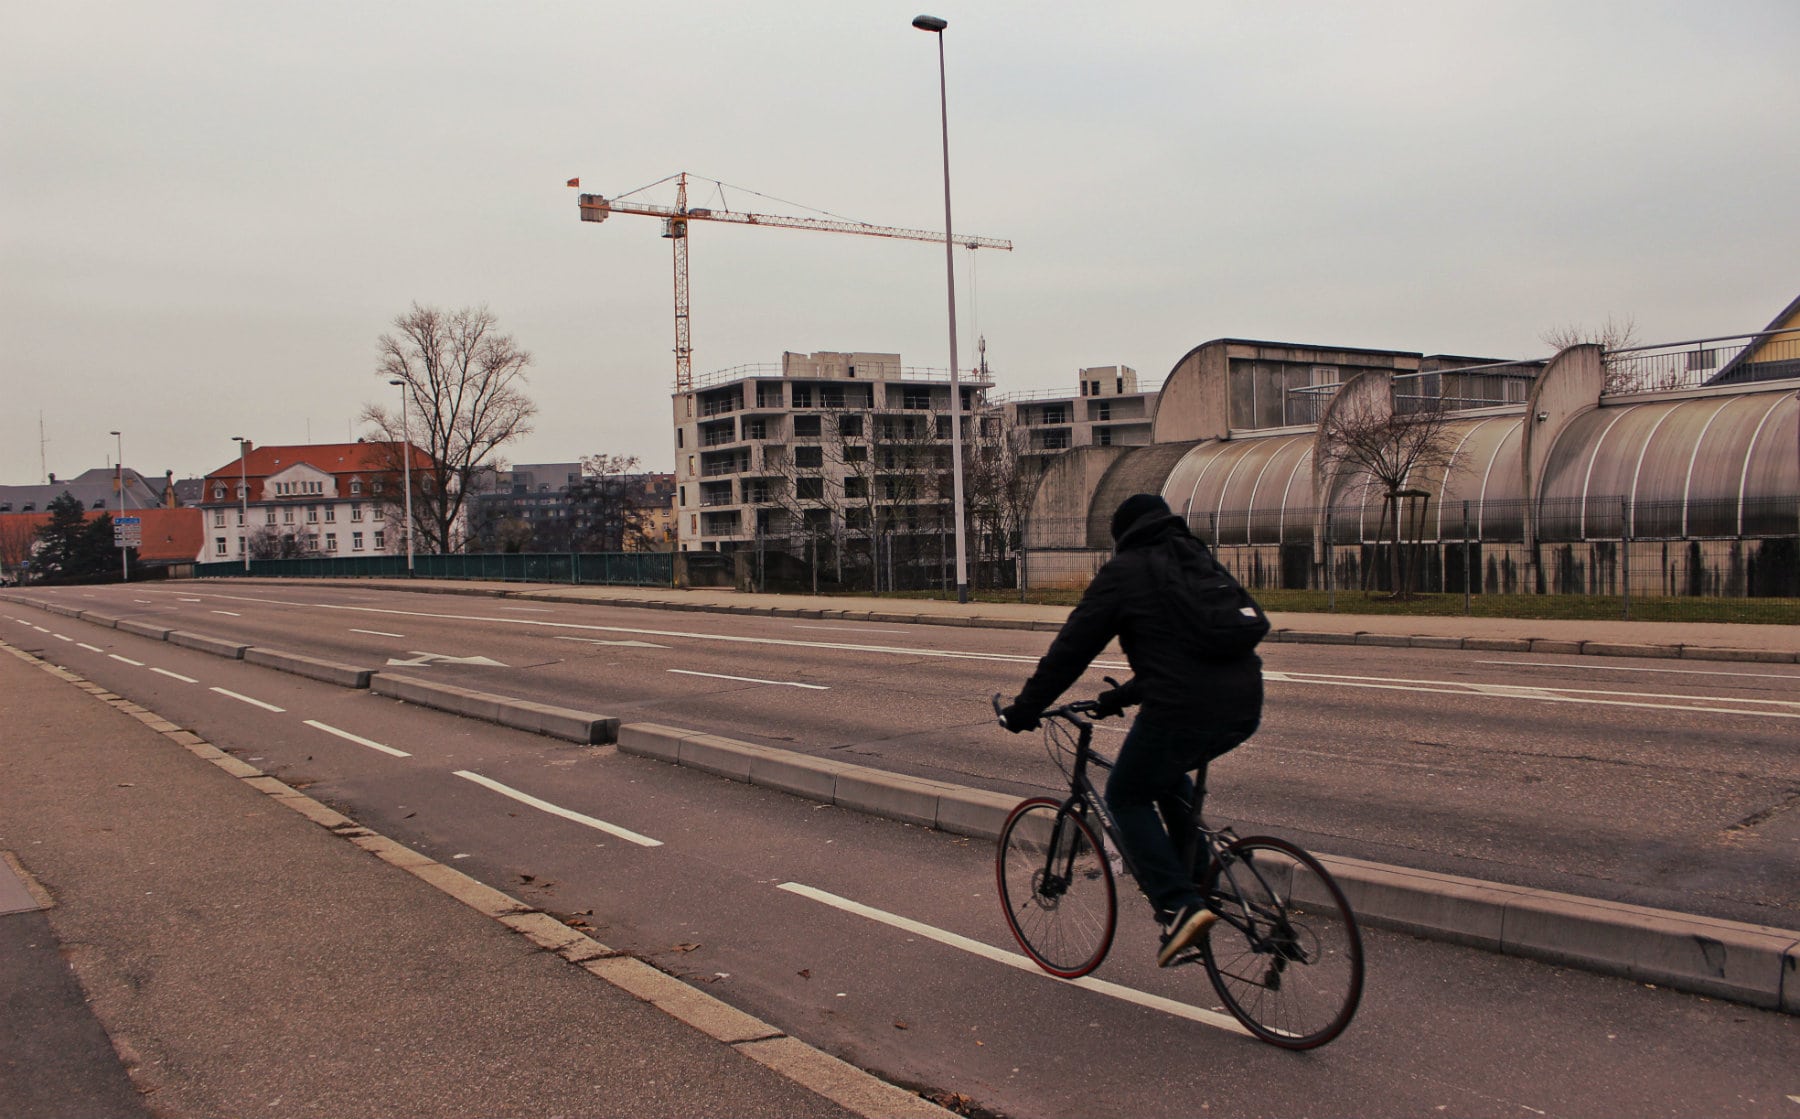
column 1085, row 799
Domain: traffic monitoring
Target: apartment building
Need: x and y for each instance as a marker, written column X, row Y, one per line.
column 821, row 447
column 1107, row 409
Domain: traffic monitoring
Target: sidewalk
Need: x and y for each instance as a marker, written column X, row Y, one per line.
column 248, row 951
column 1690, row 640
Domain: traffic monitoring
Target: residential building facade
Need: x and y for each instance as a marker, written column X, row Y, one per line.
column 327, row 499
column 1108, row 409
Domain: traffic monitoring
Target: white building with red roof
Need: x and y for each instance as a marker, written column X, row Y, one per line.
column 316, row 499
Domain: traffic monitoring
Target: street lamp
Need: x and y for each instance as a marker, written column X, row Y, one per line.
column 244, row 499
column 406, row 461
column 936, row 26
column 119, row 477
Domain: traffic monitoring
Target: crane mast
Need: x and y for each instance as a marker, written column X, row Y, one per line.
column 597, row 207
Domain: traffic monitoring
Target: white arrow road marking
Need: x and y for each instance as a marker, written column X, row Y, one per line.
column 1013, row 959
column 179, row 676
column 556, row 810
column 423, row 659
column 620, row 644
column 252, row 702
column 356, row 738
column 752, row 680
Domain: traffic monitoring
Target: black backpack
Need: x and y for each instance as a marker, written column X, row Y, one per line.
column 1218, row 617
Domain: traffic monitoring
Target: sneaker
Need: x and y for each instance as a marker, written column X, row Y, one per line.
column 1183, row 931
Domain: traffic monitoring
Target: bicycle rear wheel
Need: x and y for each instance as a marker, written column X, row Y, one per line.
column 1287, row 956
column 1056, row 887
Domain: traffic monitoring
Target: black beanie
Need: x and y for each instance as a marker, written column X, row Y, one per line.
column 1133, row 508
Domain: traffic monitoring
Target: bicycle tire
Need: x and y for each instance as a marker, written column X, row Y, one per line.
column 1056, row 887
column 1295, row 977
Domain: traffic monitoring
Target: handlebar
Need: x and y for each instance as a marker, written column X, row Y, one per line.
column 1072, row 711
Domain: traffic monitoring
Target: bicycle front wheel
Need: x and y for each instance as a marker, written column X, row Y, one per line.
column 1286, row 956
column 1056, row 887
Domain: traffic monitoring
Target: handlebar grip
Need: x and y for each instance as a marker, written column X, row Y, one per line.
column 999, row 715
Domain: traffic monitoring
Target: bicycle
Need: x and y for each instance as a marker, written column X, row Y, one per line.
column 1285, row 955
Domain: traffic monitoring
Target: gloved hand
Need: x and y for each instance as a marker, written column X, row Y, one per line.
column 1019, row 719
column 1110, row 702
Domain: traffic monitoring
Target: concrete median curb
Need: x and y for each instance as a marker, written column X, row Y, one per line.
column 330, row 672
column 584, row 727
column 217, row 646
column 1752, row 964
column 143, row 629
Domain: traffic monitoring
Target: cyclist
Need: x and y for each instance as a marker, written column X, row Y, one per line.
column 1195, row 708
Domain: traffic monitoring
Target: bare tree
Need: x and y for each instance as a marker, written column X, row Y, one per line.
column 1391, row 448
column 1616, row 334
column 604, row 510
column 464, row 382
column 999, row 481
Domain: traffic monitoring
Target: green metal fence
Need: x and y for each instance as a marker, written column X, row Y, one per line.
column 628, row 569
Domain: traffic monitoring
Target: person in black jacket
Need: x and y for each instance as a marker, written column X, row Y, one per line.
column 1194, row 708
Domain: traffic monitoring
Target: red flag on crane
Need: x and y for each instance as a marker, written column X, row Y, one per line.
column 574, row 182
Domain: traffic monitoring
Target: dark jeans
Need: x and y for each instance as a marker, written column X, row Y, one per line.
column 1151, row 775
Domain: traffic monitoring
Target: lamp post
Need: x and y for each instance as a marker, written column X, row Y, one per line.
column 936, row 26
column 244, row 498
column 119, row 481
column 406, row 464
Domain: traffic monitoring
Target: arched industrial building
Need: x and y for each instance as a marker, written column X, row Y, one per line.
column 1670, row 467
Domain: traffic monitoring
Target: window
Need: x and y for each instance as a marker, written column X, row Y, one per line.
column 218, row 493
column 756, row 429
column 100, row 503
column 240, row 545
column 378, row 514
column 312, row 514
column 856, row 487
column 268, row 516
column 850, row 425
column 806, row 457
column 287, row 516
column 240, row 491
column 803, row 396
column 356, row 512
column 809, row 489
column 240, row 518
column 355, row 488
column 219, row 545
column 680, row 437
column 1103, row 411
column 1053, row 414
column 856, row 453
column 915, row 397
column 377, row 487
column 807, row 427
column 380, row 540
column 682, row 499
column 218, row 518
column 425, row 484
column 330, row 514
column 356, row 542
column 1103, row 436
column 331, row 542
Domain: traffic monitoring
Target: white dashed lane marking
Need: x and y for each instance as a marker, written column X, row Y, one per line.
column 251, row 701
column 178, row 676
column 356, row 738
column 557, row 810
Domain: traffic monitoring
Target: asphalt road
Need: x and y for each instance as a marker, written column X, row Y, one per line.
column 1665, row 783
column 842, row 928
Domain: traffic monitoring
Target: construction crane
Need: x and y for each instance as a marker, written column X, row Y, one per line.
column 596, row 207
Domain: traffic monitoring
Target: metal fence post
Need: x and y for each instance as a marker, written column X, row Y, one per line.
column 1330, row 574
column 1466, row 576
column 1625, row 556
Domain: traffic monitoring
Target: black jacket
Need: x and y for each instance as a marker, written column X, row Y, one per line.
column 1170, row 679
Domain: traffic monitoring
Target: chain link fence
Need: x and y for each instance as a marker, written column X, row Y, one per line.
column 619, row 569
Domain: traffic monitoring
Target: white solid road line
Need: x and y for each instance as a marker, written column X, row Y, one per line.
column 127, row 660
column 378, row 633
column 751, row 679
column 1629, row 668
column 252, row 702
column 557, row 810
column 356, row 738
column 1013, row 959
column 178, row 676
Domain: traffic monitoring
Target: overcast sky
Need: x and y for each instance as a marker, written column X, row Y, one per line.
column 213, row 210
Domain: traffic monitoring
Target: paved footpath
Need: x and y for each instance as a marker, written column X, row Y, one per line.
column 179, row 936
